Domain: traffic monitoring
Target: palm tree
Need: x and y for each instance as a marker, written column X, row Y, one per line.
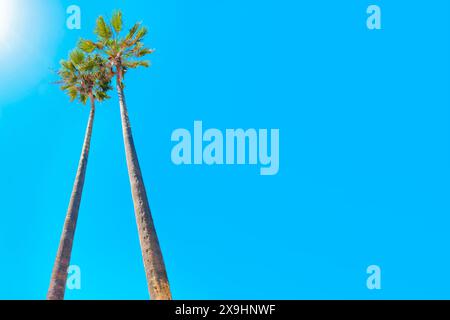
column 84, row 78
column 124, row 53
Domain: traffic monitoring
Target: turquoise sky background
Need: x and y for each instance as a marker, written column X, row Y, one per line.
column 364, row 119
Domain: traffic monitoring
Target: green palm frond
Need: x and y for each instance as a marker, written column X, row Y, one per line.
column 77, row 57
column 116, row 21
column 89, row 65
column 144, row 63
column 84, row 98
column 132, row 31
column 72, row 92
column 130, row 64
column 87, row 45
column 68, row 65
column 103, row 30
column 101, row 95
column 144, row 52
column 142, row 32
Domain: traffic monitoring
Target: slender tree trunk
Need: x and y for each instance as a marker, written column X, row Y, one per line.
column 59, row 275
column 155, row 270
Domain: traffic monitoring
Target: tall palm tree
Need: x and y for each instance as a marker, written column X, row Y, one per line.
column 84, row 78
column 124, row 53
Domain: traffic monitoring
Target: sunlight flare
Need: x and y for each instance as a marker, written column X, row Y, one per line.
column 7, row 15
column 29, row 33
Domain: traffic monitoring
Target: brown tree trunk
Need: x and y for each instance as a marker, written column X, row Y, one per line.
column 155, row 270
column 59, row 275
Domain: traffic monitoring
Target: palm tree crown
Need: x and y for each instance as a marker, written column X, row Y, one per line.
column 85, row 76
column 123, row 53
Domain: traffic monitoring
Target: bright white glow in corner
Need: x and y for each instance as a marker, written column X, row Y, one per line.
column 12, row 20
column 7, row 14
column 29, row 33
column 6, row 19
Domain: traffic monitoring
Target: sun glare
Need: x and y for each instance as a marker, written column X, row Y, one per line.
column 6, row 19
column 29, row 34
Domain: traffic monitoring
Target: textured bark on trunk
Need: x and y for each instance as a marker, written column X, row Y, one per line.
column 58, row 280
column 155, row 270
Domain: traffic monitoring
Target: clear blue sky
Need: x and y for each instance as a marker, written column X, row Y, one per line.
column 364, row 119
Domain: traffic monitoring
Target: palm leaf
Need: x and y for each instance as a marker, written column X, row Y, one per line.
column 102, row 29
column 144, row 52
column 132, row 31
column 116, row 21
column 134, row 64
column 77, row 57
column 144, row 63
column 142, row 32
column 73, row 93
column 67, row 65
column 87, row 45
column 83, row 98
